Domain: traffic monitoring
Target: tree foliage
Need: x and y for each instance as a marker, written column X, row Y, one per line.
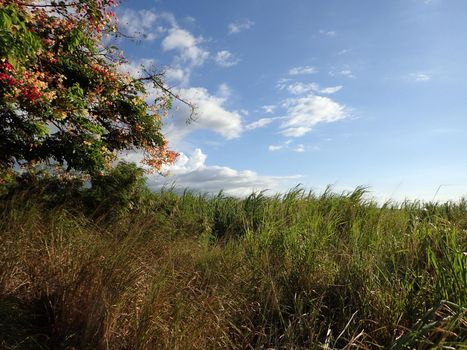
column 63, row 98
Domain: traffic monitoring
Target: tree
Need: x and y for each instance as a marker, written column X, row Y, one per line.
column 62, row 96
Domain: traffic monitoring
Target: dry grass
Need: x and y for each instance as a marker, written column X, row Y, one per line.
column 190, row 272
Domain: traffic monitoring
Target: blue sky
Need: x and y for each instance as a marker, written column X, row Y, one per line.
column 334, row 92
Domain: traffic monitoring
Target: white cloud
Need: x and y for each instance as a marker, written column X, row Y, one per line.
column 268, row 108
column 329, row 33
column 239, row 26
column 187, row 46
column 260, row 123
column 302, row 70
column 283, row 83
column 299, row 88
column 177, row 74
column 300, row 148
column 226, row 59
column 331, row 89
column 142, row 23
column 224, row 91
column 135, row 68
column 285, row 144
column 192, row 172
column 296, row 131
column 151, row 25
column 273, row 148
column 420, row 77
column 347, row 73
column 344, row 52
column 189, row 19
column 343, row 72
column 210, row 114
column 306, row 112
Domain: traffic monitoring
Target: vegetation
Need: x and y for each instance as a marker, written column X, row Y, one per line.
column 188, row 271
column 63, row 99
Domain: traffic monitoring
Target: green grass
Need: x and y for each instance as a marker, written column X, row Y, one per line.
column 188, row 271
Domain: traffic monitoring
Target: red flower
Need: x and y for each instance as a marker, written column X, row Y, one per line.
column 7, row 67
column 7, row 79
column 32, row 94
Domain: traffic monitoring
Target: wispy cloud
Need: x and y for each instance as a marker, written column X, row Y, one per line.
column 300, row 148
column 299, row 88
column 273, row 148
column 347, row 73
column 302, row 70
column 331, row 89
column 225, row 58
column 344, row 52
column 260, row 123
column 224, row 91
column 343, row 72
column 328, row 33
column 420, row 77
column 285, row 144
column 269, row 108
column 239, row 26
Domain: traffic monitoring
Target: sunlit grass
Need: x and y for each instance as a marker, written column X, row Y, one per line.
column 189, row 271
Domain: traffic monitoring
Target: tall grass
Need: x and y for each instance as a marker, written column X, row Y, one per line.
column 189, row 271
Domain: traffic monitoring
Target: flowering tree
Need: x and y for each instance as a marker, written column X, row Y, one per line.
column 62, row 97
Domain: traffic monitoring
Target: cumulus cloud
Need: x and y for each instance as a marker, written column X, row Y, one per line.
column 302, row 70
column 306, row 112
column 143, row 23
column 187, row 46
column 193, row 172
column 149, row 24
column 172, row 74
column 211, row 114
column 239, row 26
column 136, row 68
column 177, row 75
column 226, row 59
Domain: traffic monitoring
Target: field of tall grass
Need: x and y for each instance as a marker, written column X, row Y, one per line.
column 118, row 267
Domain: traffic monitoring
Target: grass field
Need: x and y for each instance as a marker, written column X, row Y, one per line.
column 189, row 271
